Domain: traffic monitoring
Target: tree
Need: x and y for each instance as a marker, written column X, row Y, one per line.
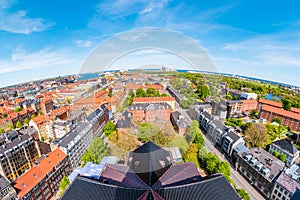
column 203, row 91
column 147, row 132
column 110, row 93
column 151, row 92
column 26, row 121
column 109, row 128
column 40, row 113
column 17, row 109
column 96, row 151
column 2, row 131
column 33, row 116
column 19, row 124
column 11, row 126
column 4, row 115
column 224, row 168
column 191, row 154
column 64, row 184
column 286, row 104
column 277, row 120
column 211, row 163
column 164, row 95
column 282, row 157
column 256, row 136
column 140, row 93
column 253, row 113
column 243, row 194
column 276, row 153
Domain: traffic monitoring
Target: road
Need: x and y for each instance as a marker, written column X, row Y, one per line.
column 239, row 180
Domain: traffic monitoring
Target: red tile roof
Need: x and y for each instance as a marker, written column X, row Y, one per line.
column 152, row 99
column 41, row 119
column 270, row 103
column 32, row 177
column 281, row 112
column 296, row 110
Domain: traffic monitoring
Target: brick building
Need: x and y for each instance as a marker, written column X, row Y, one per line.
column 46, row 105
column 168, row 100
column 249, row 105
column 42, row 181
column 150, row 112
column 288, row 118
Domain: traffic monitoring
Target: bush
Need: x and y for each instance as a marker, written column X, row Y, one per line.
column 17, row 109
column 109, row 128
column 243, row 194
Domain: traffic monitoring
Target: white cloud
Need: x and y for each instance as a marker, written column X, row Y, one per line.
column 19, row 21
column 21, row 60
column 83, row 43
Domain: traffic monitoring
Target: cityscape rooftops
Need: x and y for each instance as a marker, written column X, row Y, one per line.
column 281, row 112
column 152, row 99
column 263, row 162
column 9, row 146
column 286, row 146
column 36, row 174
column 288, row 183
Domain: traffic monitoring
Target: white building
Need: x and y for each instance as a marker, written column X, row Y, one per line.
column 248, row 96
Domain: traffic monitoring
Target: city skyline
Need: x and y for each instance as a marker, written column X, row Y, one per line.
column 255, row 39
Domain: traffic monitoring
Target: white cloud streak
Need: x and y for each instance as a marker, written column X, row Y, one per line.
column 19, row 22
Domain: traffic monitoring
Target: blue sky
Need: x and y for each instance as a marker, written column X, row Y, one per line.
column 43, row 39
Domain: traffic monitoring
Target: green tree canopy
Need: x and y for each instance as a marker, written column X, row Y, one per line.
column 2, row 131
column 243, row 194
column 19, row 124
column 151, row 92
column 26, row 121
column 17, row 109
column 33, row 116
column 140, row 93
column 96, row 151
column 191, row 154
column 109, row 128
column 286, row 104
column 277, row 120
column 4, row 115
column 256, row 136
column 64, row 184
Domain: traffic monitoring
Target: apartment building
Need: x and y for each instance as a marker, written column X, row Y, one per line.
column 285, row 187
column 150, row 112
column 234, row 107
column 42, row 180
column 76, row 142
column 98, row 119
column 46, row 105
column 287, row 148
column 260, row 168
column 230, row 141
column 288, row 118
column 179, row 122
column 249, row 105
column 17, row 154
column 7, row 192
column 168, row 100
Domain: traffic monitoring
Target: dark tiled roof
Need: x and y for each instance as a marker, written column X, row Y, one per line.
column 287, row 146
column 296, row 195
column 149, row 162
column 125, row 122
column 208, row 116
column 219, row 125
column 215, row 188
column 233, row 136
column 178, row 175
column 121, row 175
column 86, row 189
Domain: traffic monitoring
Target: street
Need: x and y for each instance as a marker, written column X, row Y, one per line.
column 239, row 180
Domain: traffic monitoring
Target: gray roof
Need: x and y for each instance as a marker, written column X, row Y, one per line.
column 125, row 122
column 149, row 106
column 64, row 141
column 219, row 125
column 179, row 119
column 9, row 145
column 233, row 136
column 95, row 115
column 240, row 148
column 28, row 131
column 288, row 183
column 286, row 145
column 272, row 165
column 4, row 182
column 207, row 116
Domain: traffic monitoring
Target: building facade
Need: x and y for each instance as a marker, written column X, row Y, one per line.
column 287, row 148
column 260, row 168
column 17, row 155
column 42, row 180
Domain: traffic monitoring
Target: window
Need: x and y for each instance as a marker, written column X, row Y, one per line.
column 276, row 191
